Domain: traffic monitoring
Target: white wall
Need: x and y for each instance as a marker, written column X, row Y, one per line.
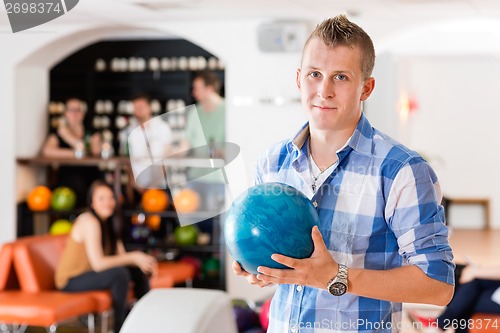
column 7, row 153
column 457, row 121
column 451, row 69
column 381, row 107
column 19, row 47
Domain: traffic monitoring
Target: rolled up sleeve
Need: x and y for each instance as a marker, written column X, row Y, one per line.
column 416, row 217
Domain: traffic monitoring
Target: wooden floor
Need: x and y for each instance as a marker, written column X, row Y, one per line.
column 479, row 246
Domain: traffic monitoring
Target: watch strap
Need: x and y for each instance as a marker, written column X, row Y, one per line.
column 342, row 273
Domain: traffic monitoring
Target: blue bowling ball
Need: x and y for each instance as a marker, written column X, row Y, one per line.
column 269, row 218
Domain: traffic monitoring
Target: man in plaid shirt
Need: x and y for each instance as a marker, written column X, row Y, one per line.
column 381, row 239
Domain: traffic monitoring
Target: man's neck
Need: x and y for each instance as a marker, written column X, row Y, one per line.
column 211, row 103
column 325, row 144
column 143, row 121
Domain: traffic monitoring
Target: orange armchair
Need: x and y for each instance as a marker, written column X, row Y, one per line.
column 21, row 308
column 35, row 261
column 31, row 298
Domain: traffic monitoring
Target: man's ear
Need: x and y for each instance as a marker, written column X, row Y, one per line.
column 297, row 78
column 368, row 87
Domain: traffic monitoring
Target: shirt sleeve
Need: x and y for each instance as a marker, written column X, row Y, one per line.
column 259, row 171
column 414, row 214
column 192, row 127
column 167, row 133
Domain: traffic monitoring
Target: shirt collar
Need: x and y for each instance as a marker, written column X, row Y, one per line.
column 362, row 138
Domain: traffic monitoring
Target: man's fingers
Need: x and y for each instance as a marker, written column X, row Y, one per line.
column 238, row 270
column 284, row 260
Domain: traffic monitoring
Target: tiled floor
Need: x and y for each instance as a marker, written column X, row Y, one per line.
column 476, row 245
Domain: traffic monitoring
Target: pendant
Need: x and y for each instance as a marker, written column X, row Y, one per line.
column 313, row 186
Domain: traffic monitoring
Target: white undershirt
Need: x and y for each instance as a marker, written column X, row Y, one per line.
column 315, row 170
column 323, row 176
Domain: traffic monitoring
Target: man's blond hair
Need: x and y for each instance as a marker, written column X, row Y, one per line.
column 339, row 30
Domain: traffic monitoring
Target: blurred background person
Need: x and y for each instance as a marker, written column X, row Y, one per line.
column 71, row 140
column 211, row 114
column 205, row 137
column 147, row 141
column 477, row 291
column 94, row 257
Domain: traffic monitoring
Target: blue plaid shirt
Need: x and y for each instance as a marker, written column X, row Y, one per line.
column 379, row 209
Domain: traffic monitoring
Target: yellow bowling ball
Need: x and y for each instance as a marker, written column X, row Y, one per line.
column 60, row 227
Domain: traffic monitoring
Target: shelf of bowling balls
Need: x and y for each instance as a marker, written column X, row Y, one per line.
column 109, row 163
column 205, row 215
column 113, row 162
column 185, row 239
column 121, row 164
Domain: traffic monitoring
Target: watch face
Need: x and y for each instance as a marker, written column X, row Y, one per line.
column 338, row 289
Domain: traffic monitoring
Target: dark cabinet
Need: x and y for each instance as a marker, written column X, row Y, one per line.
column 163, row 69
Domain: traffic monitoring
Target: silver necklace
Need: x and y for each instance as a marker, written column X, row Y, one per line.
column 309, row 160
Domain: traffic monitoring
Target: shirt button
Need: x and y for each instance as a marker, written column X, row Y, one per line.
column 299, row 288
column 315, row 204
column 293, row 329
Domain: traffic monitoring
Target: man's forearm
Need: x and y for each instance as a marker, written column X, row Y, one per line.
column 404, row 284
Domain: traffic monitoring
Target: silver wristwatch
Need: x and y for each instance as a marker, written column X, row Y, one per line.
column 338, row 285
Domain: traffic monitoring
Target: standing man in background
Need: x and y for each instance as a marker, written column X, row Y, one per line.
column 381, row 239
column 148, row 141
column 211, row 109
column 206, row 127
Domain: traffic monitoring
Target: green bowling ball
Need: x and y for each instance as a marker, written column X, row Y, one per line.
column 211, row 267
column 187, row 235
column 63, row 199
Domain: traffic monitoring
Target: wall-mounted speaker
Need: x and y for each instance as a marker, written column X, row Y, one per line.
column 282, row 36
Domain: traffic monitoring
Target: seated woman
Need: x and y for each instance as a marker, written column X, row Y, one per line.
column 95, row 258
column 473, row 294
column 68, row 141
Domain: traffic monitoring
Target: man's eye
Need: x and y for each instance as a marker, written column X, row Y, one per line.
column 341, row 77
column 315, row 74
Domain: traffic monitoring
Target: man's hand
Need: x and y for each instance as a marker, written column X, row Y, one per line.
column 314, row 271
column 251, row 278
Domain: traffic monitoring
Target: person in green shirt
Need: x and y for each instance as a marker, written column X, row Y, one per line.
column 205, row 137
column 211, row 112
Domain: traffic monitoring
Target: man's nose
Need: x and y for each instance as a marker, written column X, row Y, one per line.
column 325, row 89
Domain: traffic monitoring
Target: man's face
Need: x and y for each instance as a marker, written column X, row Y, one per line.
column 331, row 85
column 142, row 110
column 200, row 90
